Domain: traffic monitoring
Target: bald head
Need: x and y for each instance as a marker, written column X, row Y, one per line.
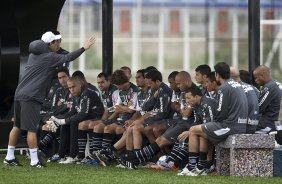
column 234, row 73
column 262, row 75
column 263, row 70
column 183, row 80
column 184, row 75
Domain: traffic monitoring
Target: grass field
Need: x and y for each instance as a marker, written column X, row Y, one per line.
column 56, row 173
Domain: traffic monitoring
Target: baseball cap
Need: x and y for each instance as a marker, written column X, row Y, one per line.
column 48, row 37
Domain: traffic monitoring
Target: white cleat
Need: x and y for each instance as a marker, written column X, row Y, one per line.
column 69, row 160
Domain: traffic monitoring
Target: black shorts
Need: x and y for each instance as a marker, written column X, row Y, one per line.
column 175, row 130
column 27, row 115
column 215, row 132
column 150, row 121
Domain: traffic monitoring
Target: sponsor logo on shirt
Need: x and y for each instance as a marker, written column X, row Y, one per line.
column 220, row 100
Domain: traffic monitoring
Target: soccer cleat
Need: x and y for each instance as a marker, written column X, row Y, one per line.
column 83, row 161
column 109, row 153
column 38, row 165
column 13, row 162
column 69, row 160
column 127, row 164
column 93, row 156
column 120, row 166
column 88, row 161
column 130, row 165
column 128, row 156
column 54, row 158
column 198, row 172
column 104, row 160
column 211, row 169
column 184, row 172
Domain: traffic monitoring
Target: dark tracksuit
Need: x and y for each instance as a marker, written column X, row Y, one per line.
column 231, row 113
column 36, row 78
column 93, row 88
column 175, row 98
column 63, row 96
column 177, row 126
column 46, row 106
column 253, row 108
column 159, row 105
column 203, row 113
column 269, row 104
column 85, row 107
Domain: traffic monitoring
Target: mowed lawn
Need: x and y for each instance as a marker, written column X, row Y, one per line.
column 57, row 173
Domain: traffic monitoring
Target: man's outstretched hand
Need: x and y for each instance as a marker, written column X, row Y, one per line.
column 89, row 42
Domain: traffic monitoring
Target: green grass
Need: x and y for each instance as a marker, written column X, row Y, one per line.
column 56, row 173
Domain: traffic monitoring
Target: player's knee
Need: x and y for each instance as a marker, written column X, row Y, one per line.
column 109, row 129
column 91, row 126
column 82, row 125
column 99, row 128
column 119, row 130
column 195, row 129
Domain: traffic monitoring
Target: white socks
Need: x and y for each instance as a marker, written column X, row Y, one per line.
column 10, row 153
column 33, row 156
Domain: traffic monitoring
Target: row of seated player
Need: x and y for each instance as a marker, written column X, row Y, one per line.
column 135, row 125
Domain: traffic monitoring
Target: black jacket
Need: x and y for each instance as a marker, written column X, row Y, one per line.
column 39, row 70
column 87, row 106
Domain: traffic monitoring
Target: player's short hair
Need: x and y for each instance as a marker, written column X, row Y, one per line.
column 142, row 71
column 172, row 75
column 63, row 69
column 223, row 70
column 103, row 74
column 119, row 78
column 194, row 90
column 203, row 69
column 154, row 75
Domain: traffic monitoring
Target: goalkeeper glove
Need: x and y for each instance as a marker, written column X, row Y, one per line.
column 52, row 126
column 58, row 121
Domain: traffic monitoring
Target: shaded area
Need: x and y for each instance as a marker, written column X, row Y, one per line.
column 21, row 23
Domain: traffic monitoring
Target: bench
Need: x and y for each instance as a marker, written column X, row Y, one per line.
column 245, row 155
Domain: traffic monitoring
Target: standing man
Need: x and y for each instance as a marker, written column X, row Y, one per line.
column 59, row 36
column 30, row 93
column 54, row 84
